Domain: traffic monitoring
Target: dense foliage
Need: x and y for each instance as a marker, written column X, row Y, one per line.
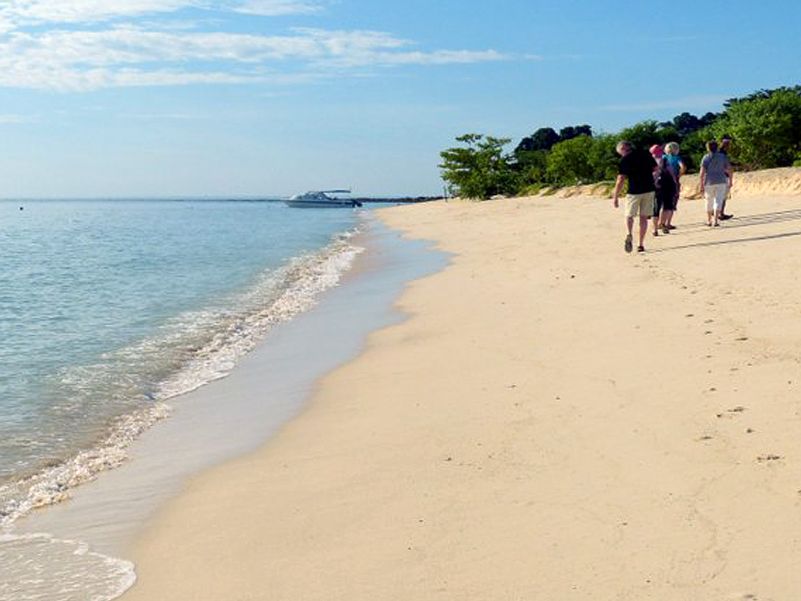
column 480, row 169
column 765, row 127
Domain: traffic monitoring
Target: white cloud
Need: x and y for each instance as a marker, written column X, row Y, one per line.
column 21, row 12
column 85, row 11
column 438, row 57
column 270, row 8
column 141, row 54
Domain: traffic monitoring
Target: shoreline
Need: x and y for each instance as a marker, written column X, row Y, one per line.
column 554, row 419
column 266, row 388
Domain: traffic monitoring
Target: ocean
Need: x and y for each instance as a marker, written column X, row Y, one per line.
column 110, row 309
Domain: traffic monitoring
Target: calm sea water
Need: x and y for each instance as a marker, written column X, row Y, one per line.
column 109, row 308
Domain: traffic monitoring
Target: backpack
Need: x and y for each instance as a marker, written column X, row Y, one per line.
column 664, row 179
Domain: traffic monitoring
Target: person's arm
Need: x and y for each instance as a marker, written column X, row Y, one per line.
column 621, row 180
column 682, row 168
column 702, row 173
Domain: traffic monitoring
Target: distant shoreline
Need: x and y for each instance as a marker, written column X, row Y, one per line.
column 366, row 199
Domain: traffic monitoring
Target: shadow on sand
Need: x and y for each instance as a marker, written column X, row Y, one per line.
column 749, row 221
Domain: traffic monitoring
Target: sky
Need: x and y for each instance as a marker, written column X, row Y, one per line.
column 249, row 98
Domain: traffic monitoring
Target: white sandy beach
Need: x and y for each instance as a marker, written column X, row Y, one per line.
column 555, row 420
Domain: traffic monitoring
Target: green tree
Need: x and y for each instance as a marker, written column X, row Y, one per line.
column 686, row 124
column 574, row 131
column 542, row 139
column 531, row 165
column 766, row 127
column 568, row 162
column 647, row 133
column 693, row 148
column 603, row 158
column 479, row 169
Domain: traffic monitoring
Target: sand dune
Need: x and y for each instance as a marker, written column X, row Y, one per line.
column 785, row 180
column 782, row 181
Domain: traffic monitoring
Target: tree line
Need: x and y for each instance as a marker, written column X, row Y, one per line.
column 765, row 127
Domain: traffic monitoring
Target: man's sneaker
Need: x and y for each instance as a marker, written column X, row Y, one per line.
column 725, row 217
column 628, row 245
column 640, row 249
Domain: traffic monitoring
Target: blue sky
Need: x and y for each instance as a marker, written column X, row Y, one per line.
column 153, row 98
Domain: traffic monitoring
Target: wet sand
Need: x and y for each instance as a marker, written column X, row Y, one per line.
column 554, row 420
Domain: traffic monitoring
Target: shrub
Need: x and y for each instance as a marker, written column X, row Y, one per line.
column 603, row 158
column 567, row 162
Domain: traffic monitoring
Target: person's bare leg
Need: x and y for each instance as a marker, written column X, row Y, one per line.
column 667, row 217
column 656, row 225
column 628, row 245
column 643, row 228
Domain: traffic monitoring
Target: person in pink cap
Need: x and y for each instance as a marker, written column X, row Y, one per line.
column 665, row 184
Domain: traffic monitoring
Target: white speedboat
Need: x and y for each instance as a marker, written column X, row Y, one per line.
column 320, row 199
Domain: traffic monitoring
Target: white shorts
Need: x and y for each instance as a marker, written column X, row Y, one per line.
column 715, row 194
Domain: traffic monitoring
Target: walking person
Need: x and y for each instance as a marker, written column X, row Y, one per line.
column 665, row 196
column 715, row 176
column 637, row 167
column 656, row 154
column 677, row 168
column 724, row 147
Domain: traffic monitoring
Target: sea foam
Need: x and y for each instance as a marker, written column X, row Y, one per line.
column 38, row 566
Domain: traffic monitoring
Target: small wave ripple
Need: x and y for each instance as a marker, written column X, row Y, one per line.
column 189, row 351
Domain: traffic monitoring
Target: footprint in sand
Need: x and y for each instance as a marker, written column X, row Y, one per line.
column 730, row 413
column 768, row 458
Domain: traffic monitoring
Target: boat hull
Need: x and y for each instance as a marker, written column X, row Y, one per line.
column 322, row 204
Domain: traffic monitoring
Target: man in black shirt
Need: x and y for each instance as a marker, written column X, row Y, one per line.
column 636, row 166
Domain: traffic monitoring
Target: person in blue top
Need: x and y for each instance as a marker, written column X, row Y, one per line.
column 677, row 168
